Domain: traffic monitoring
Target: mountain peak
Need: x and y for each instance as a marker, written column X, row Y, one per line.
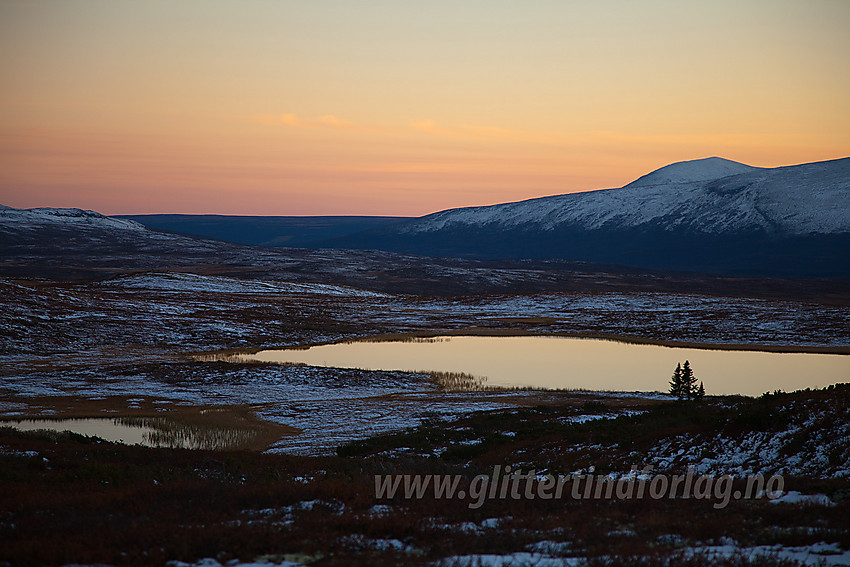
column 705, row 169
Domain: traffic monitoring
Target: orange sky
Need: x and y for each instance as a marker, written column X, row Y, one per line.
column 402, row 108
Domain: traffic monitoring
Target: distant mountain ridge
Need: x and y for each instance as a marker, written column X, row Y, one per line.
column 712, row 215
column 803, row 199
column 269, row 231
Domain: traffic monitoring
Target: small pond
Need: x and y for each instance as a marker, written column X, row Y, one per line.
column 572, row 363
column 147, row 431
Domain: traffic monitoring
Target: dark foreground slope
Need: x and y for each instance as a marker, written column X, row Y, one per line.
column 70, row 499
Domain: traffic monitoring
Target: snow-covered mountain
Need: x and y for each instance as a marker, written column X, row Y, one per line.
column 711, row 214
column 72, row 243
column 22, row 220
column 711, row 195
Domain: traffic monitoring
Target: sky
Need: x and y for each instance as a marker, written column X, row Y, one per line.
column 398, row 107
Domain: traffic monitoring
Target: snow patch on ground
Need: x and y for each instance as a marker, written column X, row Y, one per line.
column 818, row 554
column 192, row 283
column 795, row 497
column 517, row 559
column 821, row 553
column 259, row 562
column 813, row 444
column 359, row 543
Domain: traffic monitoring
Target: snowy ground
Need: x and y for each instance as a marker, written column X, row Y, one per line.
column 130, row 336
column 818, row 555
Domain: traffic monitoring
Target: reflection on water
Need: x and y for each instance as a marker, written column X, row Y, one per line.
column 459, row 381
column 148, row 431
column 166, row 432
column 559, row 362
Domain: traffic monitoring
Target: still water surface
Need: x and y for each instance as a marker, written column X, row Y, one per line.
column 147, row 431
column 559, row 362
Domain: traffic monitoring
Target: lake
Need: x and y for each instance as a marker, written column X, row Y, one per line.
column 572, row 363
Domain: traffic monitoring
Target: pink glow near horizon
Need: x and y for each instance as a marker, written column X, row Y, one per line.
column 330, row 108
